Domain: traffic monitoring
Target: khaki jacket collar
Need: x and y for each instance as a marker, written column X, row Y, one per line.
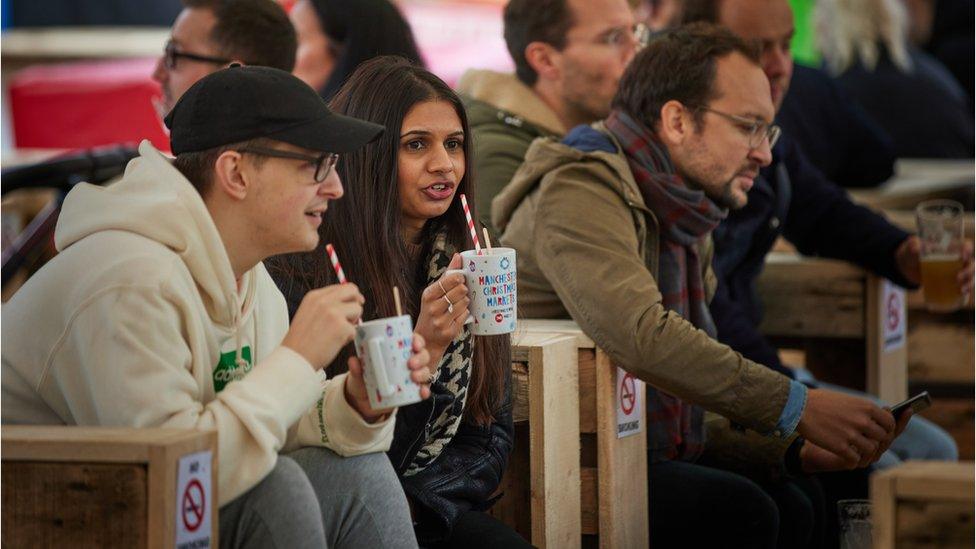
column 506, row 92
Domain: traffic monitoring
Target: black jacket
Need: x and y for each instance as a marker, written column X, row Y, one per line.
column 838, row 137
column 467, row 472
column 790, row 197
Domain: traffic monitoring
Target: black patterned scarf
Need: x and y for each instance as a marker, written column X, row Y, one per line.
column 453, row 372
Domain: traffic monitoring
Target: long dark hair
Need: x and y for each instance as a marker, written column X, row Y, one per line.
column 365, row 225
column 363, row 29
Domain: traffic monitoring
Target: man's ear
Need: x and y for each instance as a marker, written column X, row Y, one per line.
column 675, row 123
column 229, row 177
column 543, row 58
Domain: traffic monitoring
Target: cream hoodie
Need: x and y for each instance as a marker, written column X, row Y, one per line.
column 137, row 319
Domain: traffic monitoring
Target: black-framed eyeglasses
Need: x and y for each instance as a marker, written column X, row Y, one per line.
column 324, row 163
column 639, row 33
column 171, row 55
column 757, row 130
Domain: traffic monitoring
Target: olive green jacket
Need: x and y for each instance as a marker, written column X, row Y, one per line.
column 588, row 250
column 505, row 116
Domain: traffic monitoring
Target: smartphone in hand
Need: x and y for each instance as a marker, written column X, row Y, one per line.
column 917, row 403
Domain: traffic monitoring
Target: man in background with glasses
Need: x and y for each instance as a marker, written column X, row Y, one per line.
column 612, row 227
column 158, row 312
column 208, row 35
column 569, row 55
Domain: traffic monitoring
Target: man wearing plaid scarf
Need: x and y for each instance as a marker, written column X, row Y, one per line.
column 612, row 226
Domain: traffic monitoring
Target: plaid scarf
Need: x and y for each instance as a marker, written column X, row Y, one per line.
column 686, row 217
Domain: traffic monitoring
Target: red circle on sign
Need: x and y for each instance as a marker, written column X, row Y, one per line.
column 499, row 318
column 628, row 394
column 894, row 314
column 194, row 503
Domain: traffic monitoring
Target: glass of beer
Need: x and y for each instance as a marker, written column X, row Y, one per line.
column 940, row 229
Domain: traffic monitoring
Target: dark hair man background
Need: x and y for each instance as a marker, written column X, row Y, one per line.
column 612, row 226
column 569, row 56
column 210, row 34
column 793, row 199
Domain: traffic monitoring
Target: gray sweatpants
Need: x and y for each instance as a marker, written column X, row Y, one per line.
column 314, row 498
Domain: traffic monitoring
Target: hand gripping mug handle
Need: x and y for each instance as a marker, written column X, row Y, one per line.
column 379, row 370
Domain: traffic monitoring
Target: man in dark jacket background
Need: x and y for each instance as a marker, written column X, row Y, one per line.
column 793, row 198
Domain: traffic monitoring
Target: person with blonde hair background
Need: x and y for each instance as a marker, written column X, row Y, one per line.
column 906, row 91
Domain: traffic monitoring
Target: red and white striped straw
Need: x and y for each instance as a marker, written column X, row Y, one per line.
column 474, row 232
column 335, row 263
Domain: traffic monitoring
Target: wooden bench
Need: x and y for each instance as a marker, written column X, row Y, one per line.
column 107, row 487
column 836, row 313
column 923, row 504
column 571, row 481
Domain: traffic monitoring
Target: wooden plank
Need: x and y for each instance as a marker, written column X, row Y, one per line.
column 520, row 392
column 941, row 348
column 550, row 327
column 936, row 480
column 883, row 509
column 60, row 443
column 804, row 297
column 74, row 505
column 589, row 501
column 554, row 443
column 887, row 370
column 587, row 394
column 941, row 524
column 513, row 508
column 622, row 464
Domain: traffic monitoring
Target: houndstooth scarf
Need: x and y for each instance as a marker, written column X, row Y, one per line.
column 453, row 372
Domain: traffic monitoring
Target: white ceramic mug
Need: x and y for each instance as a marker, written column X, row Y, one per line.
column 491, row 281
column 384, row 345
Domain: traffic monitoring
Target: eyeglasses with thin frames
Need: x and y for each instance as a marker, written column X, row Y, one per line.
column 757, row 130
column 324, row 163
column 617, row 38
column 172, row 55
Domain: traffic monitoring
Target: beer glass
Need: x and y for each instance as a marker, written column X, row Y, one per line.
column 940, row 229
column 855, row 523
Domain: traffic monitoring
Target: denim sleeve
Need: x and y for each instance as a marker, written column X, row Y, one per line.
column 795, row 404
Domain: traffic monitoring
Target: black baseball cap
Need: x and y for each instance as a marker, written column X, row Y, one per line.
column 246, row 102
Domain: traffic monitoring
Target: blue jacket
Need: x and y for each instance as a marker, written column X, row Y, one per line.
column 791, row 197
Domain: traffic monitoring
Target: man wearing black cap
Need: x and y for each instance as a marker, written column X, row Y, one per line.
column 158, row 312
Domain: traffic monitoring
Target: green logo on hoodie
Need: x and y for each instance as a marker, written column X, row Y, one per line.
column 227, row 370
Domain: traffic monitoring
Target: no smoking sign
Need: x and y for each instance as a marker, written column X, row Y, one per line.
column 892, row 316
column 194, row 501
column 630, row 391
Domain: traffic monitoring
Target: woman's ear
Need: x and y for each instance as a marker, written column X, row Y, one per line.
column 229, row 177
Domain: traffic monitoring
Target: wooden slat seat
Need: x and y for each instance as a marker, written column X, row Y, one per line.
column 98, row 486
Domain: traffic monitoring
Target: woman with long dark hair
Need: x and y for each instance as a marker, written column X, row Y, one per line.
column 401, row 224
column 336, row 36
